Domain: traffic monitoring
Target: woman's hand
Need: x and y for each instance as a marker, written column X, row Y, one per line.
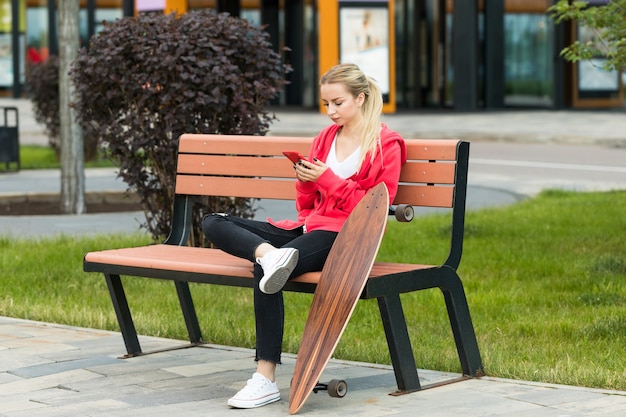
column 309, row 171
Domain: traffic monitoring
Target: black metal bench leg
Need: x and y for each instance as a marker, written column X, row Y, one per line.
column 462, row 327
column 124, row 318
column 399, row 343
column 189, row 312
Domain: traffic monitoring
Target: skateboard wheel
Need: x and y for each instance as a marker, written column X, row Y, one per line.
column 404, row 213
column 337, row 388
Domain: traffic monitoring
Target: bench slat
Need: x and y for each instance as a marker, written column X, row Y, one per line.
column 428, row 172
column 205, row 261
column 425, row 195
column 235, row 165
column 236, row 187
column 426, row 149
column 244, row 145
column 432, row 149
column 174, row 258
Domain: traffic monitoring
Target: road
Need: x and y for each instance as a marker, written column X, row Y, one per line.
column 528, row 168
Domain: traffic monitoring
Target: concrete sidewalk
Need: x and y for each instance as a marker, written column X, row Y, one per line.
column 49, row 370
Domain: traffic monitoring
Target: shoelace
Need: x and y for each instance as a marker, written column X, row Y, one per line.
column 252, row 387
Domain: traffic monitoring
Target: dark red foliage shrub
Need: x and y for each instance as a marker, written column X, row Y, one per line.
column 43, row 91
column 146, row 80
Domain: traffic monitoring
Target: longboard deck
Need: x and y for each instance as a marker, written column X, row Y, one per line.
column 340, row 285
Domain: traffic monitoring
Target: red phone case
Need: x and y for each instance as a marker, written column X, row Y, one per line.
column 293, row 156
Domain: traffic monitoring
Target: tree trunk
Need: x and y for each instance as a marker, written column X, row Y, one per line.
column 72, row 150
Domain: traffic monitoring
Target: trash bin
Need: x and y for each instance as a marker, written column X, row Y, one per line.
column 9, row 137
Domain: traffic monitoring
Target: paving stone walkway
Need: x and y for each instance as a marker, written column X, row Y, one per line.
column 49, row 370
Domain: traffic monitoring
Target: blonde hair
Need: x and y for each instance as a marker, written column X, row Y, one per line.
column 356, row 82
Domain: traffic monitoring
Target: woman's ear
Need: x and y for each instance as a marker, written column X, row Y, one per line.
column 360, row 99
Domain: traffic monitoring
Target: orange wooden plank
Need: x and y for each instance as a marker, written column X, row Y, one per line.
column 284, row 189
column 387, row 268
column 182, row 259
column 236, row 187
column 417, row 149
column 257, row 166
column 432, row 149
column 425, row 195
column 244, row 145
column 209, row 261
column 428, row 172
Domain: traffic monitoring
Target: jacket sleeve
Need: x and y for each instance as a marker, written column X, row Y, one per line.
column 307, row 193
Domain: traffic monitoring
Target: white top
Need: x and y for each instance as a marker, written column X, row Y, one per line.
column 347, row 167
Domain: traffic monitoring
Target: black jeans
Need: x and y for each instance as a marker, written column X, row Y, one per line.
column 240, row 237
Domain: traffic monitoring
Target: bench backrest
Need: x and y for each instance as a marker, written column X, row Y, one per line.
column 435, row 174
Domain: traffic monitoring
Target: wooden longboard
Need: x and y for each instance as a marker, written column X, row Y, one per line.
column 341, row 283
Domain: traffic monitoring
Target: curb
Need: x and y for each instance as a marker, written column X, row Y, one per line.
column 98, row 201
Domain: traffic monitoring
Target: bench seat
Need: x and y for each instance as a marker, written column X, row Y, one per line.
column 203, row 265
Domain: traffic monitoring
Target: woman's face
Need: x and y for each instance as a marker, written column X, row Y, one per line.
column 341, row 106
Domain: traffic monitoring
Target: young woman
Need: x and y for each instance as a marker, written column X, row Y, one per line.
column 347, row 159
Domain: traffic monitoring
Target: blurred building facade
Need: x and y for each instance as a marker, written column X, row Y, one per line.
column 460, row 55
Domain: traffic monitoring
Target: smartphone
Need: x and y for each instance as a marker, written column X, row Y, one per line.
column 294, row 156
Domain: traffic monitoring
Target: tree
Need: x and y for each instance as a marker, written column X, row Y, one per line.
column 608, row 21
column 72, row 158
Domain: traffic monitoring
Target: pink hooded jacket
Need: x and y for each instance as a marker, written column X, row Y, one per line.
column 326, row 203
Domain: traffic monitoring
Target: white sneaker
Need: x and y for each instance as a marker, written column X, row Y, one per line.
column 258, row 391
column 277, row 266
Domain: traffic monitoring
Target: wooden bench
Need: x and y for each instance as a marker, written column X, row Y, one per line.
column 435, row 175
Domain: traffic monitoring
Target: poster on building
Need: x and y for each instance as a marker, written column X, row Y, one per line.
column 6, row 41
column 6, row 59
column 364, row 39
column 147, row 6
column 592, row 77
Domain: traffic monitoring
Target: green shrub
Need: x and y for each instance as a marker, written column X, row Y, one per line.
column 145, row 80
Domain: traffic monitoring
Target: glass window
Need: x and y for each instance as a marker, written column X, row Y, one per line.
column 528, row 40
column 37, row 34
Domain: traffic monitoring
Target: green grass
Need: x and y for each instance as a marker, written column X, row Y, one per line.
column 44, row 157
column 545, row 280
